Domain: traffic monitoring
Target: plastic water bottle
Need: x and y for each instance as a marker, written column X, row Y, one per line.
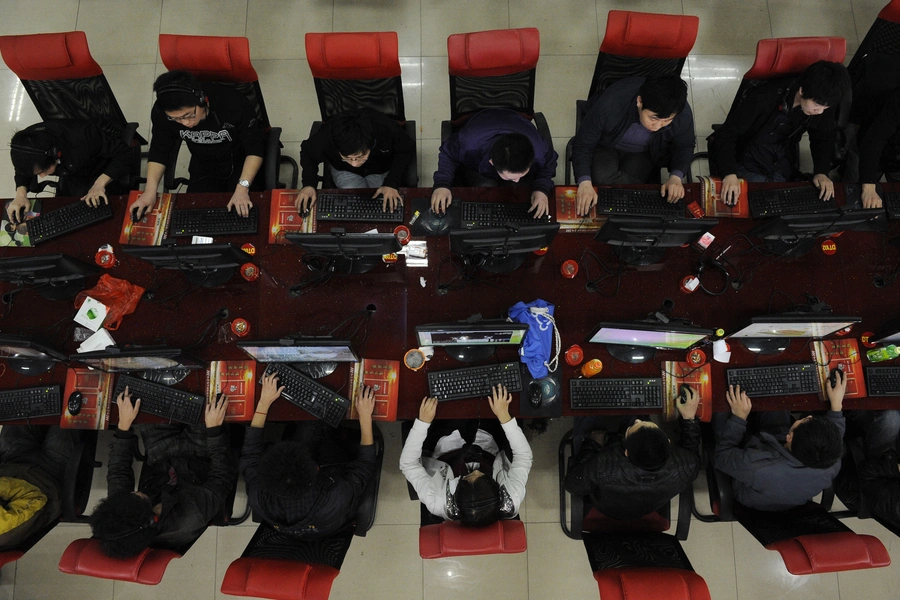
column 879, row 354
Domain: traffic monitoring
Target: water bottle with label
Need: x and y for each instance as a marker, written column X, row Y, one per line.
column 880, row 354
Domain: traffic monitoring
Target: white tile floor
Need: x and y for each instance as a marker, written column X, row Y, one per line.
column 385, row 565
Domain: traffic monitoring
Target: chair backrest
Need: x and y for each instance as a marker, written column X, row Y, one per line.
column 451, row 538
column 62, row 78
column 356, row 70
column 84, row 557
column 216, row 59
column 278, row 579
column 883, row 37
column 492, row 69
column 650, row 584
column 831, row 552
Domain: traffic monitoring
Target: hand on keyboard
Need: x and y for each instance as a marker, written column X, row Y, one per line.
column 540, row 204
column 390, row 198
column 128, row 409
column 499, row 400
column 673, row 189
column 215, row 411
column 240, row 201
column 738, row 401
column 825, row 185
column 95, row 194
column 428, row 409
column 585, row 198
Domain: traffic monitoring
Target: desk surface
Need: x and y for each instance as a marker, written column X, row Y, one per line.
column 843, row 280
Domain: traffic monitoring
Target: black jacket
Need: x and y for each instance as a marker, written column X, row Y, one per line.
column 609, row 116
column 619, row 489
column 392, row 152
column 880, row 481
column 875, row 135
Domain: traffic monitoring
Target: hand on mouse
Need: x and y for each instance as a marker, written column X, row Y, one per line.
column 18, row 207
column 688, row 410
column 440, row 199
column 585, row 198
column 836, row 394
column 731, row 189
column 305, row 199
column 390, row 198
column 144, row 204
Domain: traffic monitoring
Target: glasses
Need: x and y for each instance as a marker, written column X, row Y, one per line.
column 356, row 158
column 186, row 117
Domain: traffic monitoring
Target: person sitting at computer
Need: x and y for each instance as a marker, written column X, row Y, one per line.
column 190, row 473
column 632, row 129
column 310, row 487
column 877, row 135
column 91, row 163
column 222, row 133
column 783, row 465
column 466, row 475
column 759, row 140
column 32, row 468
column 365, row 150
column 496, row 147
column 633, row 475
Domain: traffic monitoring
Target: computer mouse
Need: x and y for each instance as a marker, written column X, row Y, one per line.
column 74, row 404
column 19, row 215
column 433, row 223
column 134, row 216
column 303, row 212
column 534, row 394
column 833, row 375
column 684, row 393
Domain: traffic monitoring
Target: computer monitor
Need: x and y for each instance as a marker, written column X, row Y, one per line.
column 315, row 356
column 501, row 249
column 161, row 364
column 887, row 334
column 637, row 341
column 642, row 239
column 471, row 342
column 53, row 276
column 795, row 235
column 26, row 356
column 347, row 253
column 204, row 265
column 773, row 333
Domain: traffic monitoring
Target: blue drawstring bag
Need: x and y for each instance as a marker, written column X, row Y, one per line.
column 537, row 347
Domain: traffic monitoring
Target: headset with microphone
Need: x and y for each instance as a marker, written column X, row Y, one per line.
column 184, row 88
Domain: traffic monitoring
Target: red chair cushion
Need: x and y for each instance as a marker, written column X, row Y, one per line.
column 84, row 557
column 649, row 35
column 492, row 53
column 650, row 584
column 209, row 58
column 450, row 538
column 10, row 556
column 366, row 55
column 597, row 522
column 49, row 56
column 278, row 579
column 891, row 12
column 776, row 57
column 830, row 552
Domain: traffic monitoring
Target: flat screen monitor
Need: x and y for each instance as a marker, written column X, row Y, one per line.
column 772, row 334
column 347, row 252
column 635, row 342
column 795, row 235
column 888, row 334
column 642, row 239
column 501, row 249
column 27, row 356
column 299, row 350
column 204, row 265
column 54, row 276
column 156, row 363
column 471, row 342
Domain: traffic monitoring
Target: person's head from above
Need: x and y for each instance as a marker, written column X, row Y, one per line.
column 286, row 469
column 512, row 155
column 816, row 442
column 660, row 100
column 34, row 152
column 478, row 499
column 179, row 95
column 646, row 445
column 125, row 523
column 353, row 137
column 822, row 86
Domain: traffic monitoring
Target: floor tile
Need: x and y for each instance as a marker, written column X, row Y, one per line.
column 133, row 87
column 278, row 29
column 411, row 76
column 8, row 582
column 729, row 26
column 401, row 16
column 40, row 16
column 441, row 19
column 112, row 44
column 542, row 489
column 435, row 95
column 17, row 111
column 370, row 571
column 791, row 18
column 710, row 548
column 287, row 86
column 477, row 577
column 566, row 26
column 714, row 81
column 204, row 17
column 560, row 81
column 394, row 506
column 551, row 552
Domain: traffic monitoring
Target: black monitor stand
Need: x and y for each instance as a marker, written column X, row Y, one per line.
column 208, row 278
column 639, row 256
column 792, row 249
column 766, row 346
column 30, row 366
column 471, row 354
column 315, row 370
column 495, row 264
column 163, row 376
column 631, row 354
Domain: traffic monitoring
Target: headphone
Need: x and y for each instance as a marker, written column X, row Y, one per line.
column 52, row 153
column 186, row 89
column 151, row 523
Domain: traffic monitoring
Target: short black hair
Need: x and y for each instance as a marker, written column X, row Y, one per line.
column 352, row 134
column 817, row 443
column 30, row 149
column 648, row 448
column 286, row 469
column 512, row 153
column 124, row 524
column 478, row 501
column 664, row 96
column 180, row 90
column 825, row 83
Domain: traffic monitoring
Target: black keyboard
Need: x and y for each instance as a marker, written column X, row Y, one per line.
column 778, row 380
column 497, row 214
column 30, row 403
column 891, row 201
column 211, row 222
column 471, row 382
column 788, row 201
column 70, row 217
column 600, row 393
column 346, row 207
column 306, row 393
column 161, row 400
column 883, row 381
column 636, row 202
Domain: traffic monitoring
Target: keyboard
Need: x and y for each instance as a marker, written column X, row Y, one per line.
column 779, row 380
column 891, row 201
column 306, row 393
column 30, row 403
column 471, row 382
column 600, row 393
column 883, row 381
column 788, row 201
column 211, row 222
column 70, row 217
column 497, row 214
column 161, row 400
column 636, row 202
column 346, row 207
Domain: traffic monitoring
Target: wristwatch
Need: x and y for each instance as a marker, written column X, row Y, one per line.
column 245, row 183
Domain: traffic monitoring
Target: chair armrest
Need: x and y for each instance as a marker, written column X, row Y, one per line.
column 571, row 523
column 726, row 494
column 365, row 514
column 412, row 173
column 541, row 123
column 570, row 170
column 580, row 113
column 685, row 509
column 446, row 131
column 272, row 160
column 78, row 477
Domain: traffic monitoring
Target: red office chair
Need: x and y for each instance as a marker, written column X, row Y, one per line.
column 65, row 82
column 226, row 60
column 883, row 38
column 637, row 44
